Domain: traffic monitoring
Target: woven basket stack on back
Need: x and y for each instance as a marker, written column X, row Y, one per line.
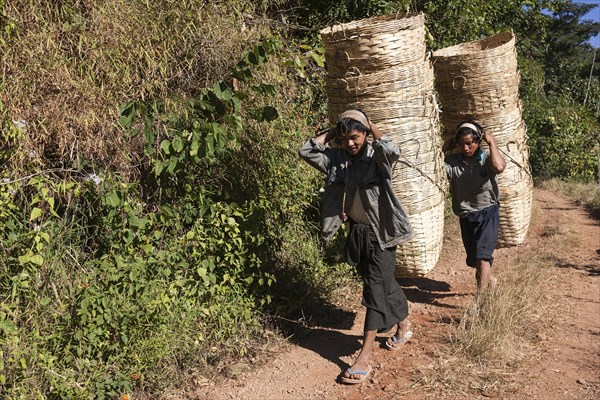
column 380, row 65
column 480, row 80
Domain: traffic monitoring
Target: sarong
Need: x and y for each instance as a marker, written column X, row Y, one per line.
column 383, row 297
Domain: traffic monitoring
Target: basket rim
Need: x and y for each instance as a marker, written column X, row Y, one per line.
column 402, row 20
column 480, row 47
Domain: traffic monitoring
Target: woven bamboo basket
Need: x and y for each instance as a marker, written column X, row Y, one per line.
column 483, row 51
column 403, row 129
column 505, row 126
column 479, row 80
column 384, row 109
column 425, row 247
column 515, row 210
column 373, row 44
column 487, row 97
column 516, row 155
column 452, row 68
column 381, row 85
column 355, row 83
column 369, row 27
column 380, row 66
column 418, row 187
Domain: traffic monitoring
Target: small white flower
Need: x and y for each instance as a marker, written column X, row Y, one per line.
column 36, row 228
column 321, row 190
column 19, row 124
column 94, row 178
column 32, row 154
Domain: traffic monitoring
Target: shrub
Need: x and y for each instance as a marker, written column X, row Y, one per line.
column 563, row 137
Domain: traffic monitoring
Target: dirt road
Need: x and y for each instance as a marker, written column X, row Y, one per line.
column 567, row 365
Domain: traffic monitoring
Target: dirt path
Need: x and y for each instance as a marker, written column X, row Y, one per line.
column 568, row 365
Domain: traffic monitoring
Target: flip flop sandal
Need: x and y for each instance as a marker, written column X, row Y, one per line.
column 354, row 381
column 394, row 343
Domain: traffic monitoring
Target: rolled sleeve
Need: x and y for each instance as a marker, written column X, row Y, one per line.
column 315, row 154
column 386, row 153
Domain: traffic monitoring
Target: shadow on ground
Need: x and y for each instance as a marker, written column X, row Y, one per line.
column 318, row 329
column 428, row 291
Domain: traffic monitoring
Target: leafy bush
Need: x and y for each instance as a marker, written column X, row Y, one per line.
column 564, row 139
column 112, row 285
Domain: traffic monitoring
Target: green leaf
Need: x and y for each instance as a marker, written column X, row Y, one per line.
column 217, row 89
column 194, row 147
column 45, row 236
column 165, row 146
column 267, row 113
column 261, row 53
column 237, row 105
column 177, row 144
column 318, row 59
column 172, row 165
column 7, row 326
column 134, row 220
column 127, row 114
column 113, row 199
column 37, row 259
column 210, row 148
column 252, row 59
column 35, row 213
column 158, row 167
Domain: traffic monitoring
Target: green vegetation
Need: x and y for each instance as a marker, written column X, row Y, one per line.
column 153, row 212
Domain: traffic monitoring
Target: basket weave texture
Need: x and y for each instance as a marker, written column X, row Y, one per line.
column 480, row 80
column 380, row 65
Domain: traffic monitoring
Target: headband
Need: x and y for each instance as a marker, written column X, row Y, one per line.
column 357, row 116
column 468, row 125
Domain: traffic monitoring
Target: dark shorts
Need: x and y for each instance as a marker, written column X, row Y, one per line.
column 382, row 295
column 479, row 232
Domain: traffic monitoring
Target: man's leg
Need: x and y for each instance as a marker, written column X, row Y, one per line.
column 403, row 327
column 362, row 361
column 484, row 276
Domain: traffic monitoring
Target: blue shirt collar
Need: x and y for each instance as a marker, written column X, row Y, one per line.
column 478, row 155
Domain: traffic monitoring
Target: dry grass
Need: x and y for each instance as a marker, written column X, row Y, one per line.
column 583, row 193
column 67, row 67
column 496, row 334
column 491, row 330
column 502, row 328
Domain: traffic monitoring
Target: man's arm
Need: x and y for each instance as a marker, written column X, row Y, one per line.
column 497, row 162
column 377, row 134
column 315, row 152
column 325, row 137
column 450, row 144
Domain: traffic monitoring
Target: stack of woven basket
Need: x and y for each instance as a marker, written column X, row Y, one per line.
column 380, row 65
column 480, row 80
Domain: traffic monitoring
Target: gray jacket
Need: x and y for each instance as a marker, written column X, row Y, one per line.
column 371, row 174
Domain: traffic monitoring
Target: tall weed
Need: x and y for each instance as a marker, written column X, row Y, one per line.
column 491, row 329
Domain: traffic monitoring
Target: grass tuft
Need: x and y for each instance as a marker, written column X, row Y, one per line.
column 491, row 329
column 587, row 194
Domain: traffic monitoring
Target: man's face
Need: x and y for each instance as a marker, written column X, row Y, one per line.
column 353, row 141
column 468, row 145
